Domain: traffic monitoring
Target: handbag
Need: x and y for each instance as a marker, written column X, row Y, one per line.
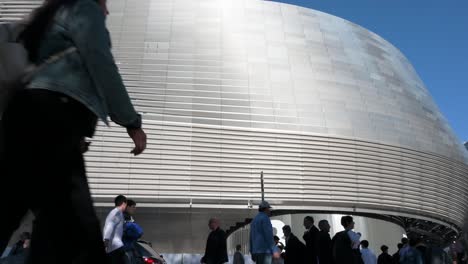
column 16, row 71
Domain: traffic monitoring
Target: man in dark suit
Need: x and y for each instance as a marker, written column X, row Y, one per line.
column 295, row 249
column 216, row 249
column 342, row 251
column 324, row 243
column 311, row 239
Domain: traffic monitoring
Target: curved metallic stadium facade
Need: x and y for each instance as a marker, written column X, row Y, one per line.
column 335, row 116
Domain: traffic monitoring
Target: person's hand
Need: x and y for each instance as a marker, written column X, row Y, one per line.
column 276, row 255
column 106, row 243
column 139, row 138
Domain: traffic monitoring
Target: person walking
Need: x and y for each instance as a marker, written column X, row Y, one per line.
column 44, row 124
column 280, row 249
column 295, row 249
column 262, row 245
column 324, row 243
column 405, row 248
column 368, row 257
column 216, row 248
column 113, row 231
column 238, row 257
column 384, row 258
column 131, row 232
column 342, row 250
column 396, row 255
column 411, row 255
column 311, row 239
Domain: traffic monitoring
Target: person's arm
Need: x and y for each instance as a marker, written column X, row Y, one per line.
column 203, row 259
column 222, row 246
column 109, row 229
column 92, row 40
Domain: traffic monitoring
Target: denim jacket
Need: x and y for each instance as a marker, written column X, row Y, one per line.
column 261, row 235
column 89, row 75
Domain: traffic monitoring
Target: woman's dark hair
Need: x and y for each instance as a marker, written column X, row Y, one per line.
column 40, row 22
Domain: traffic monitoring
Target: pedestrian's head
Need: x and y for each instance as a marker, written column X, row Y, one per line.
column 384, row 248
column 324, row 225
column 121, row 202
column 404, row 241
column 308, row 222
column 347, row 222
column 264, row 207
column 287, row 230
column 238, row 248
column 413, row 242
column 131, row 207
column 365, row 244
column 276, row 239
column 214, row 223
column 400, row 246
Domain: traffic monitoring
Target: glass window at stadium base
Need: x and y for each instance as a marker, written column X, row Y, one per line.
column 335, row 116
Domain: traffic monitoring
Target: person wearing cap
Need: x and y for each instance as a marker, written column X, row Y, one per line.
column 262, row 244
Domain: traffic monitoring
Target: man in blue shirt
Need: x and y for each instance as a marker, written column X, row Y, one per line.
column 262, row 245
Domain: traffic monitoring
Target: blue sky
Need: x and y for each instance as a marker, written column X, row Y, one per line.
column 433, row 34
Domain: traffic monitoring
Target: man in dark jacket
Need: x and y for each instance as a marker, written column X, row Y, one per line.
column 384, row 258
column 295, row 249
column 396, row 256
column 216, row 249
column 311, row 239
column 342, row 251
column 324, row 243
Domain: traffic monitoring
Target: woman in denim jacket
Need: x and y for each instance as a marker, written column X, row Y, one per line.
column 45, row 123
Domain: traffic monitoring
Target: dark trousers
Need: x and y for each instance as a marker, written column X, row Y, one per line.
column 43, row 170
column 117, row 256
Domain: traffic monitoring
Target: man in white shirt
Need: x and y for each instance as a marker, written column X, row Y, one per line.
column 113, row 231
column 368, row 257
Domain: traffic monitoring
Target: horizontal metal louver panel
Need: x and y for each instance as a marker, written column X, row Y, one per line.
column 16, row 10
column 208, row 164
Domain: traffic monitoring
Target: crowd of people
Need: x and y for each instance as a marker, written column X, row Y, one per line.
column 121, row 232
column 346, row 247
